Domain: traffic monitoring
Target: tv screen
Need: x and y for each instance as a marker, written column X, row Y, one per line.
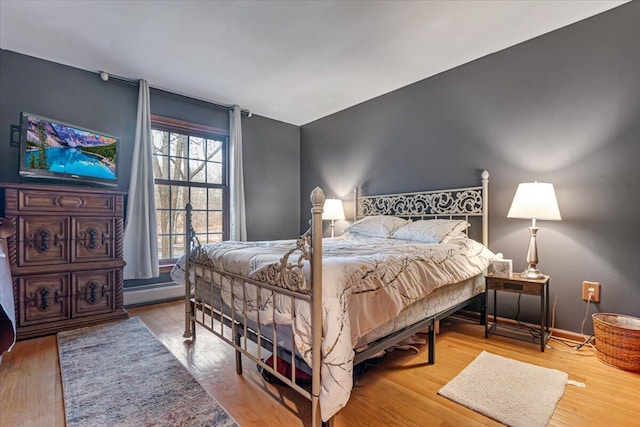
column 57, row 150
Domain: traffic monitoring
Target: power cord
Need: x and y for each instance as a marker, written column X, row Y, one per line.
column 588, row 339
column 577, row 346
column 586, row 314
column 534, row 332
column 553, row 316
column 572, row 345
column 585, row 342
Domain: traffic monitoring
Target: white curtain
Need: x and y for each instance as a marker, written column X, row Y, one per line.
column 237, row 220
column 140, row 235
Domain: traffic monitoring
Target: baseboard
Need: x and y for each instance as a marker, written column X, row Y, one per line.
column 150, row 294
column 560, row 333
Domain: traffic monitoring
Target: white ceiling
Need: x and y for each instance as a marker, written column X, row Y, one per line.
column 294, row 61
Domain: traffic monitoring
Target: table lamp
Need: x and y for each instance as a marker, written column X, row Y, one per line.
column 534, row 200
column 333, row 210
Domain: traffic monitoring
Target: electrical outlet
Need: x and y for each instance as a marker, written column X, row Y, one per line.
column 592, row 288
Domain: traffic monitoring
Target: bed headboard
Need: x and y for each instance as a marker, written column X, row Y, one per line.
column 455, row 203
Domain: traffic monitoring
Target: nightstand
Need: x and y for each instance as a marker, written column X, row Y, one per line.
column 518, row 285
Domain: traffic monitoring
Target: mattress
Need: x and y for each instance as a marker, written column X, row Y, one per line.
column 438, row 301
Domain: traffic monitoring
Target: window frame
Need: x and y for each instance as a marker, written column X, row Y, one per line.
column 191, row 129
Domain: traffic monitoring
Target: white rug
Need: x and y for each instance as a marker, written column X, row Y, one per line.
column 514, row 393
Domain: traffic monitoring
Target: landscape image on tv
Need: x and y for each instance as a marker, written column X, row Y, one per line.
column 59, row 148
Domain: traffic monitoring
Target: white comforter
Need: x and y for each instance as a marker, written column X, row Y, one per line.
column 366, row 281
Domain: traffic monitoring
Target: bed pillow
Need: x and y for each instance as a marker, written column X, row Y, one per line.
column 431, row 230
column 377, row 226
column 456, row 235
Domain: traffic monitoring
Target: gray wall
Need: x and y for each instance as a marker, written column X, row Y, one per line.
column 169, row 104
column 67, row 94
column 562, row 108
column 271, row 148
column 271, row 154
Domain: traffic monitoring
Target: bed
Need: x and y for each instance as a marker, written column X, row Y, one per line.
column 326, row 305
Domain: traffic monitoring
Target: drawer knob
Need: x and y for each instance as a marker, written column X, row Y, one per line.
column 44, row 239
column 92, row 298
column 44, row 299
column 93, row 244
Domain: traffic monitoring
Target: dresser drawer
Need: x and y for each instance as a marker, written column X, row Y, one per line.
column 515, row 286
column 43, row 298
column 93, row 239
column 93, row 292
column 42, row 240
column 52, row 201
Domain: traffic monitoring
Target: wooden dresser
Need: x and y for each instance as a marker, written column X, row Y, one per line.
column 66, row 256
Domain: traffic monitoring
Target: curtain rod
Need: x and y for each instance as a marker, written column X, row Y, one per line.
column 105, row 76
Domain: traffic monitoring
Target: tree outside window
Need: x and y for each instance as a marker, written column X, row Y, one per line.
column 189, row 165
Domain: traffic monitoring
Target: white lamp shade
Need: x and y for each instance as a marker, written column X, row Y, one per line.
column 535, row 200
column 333, row 209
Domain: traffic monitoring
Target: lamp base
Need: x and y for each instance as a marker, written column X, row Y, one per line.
column 532, row 272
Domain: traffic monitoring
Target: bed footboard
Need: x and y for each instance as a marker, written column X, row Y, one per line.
column 230, row 319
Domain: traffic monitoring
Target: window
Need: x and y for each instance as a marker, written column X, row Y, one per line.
column 189, row 165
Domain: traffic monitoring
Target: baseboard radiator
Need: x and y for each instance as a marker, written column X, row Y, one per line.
column 153, row 293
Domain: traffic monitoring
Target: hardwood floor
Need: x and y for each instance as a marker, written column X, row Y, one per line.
column 401, row 391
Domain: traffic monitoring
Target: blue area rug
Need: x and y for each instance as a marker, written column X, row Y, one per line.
column 119, row 374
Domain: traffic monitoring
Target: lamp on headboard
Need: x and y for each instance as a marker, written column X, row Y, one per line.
column 333, row 210
column 534, row 200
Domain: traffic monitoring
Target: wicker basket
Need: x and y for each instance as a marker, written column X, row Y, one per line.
column 618, row 340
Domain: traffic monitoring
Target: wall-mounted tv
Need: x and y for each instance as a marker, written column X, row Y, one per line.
column 57, row 150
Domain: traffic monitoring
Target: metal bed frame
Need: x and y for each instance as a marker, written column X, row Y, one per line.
column 287, row 278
